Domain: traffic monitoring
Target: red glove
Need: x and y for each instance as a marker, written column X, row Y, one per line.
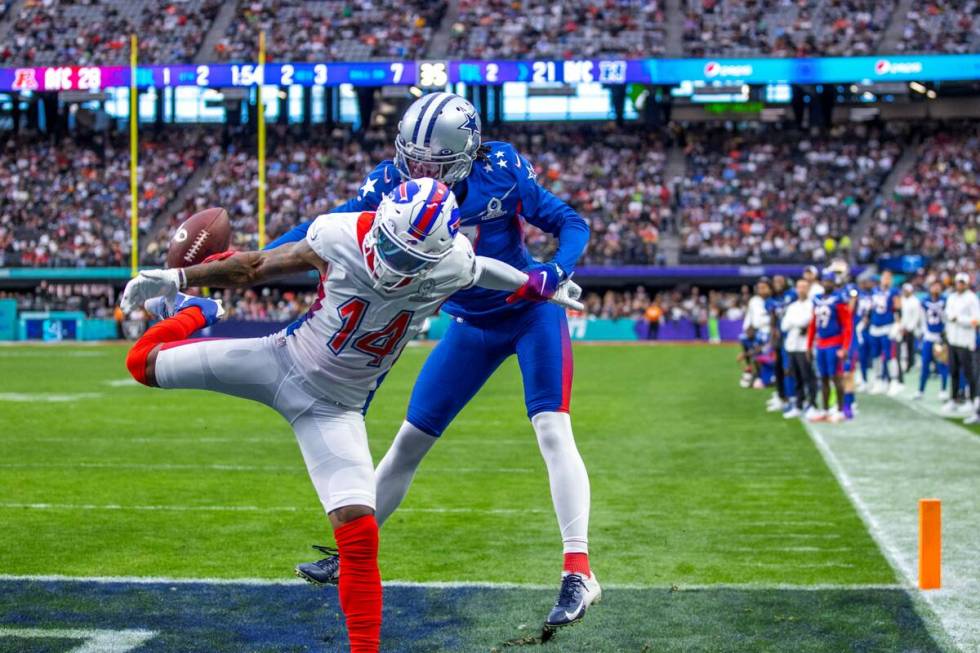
column 220, row 256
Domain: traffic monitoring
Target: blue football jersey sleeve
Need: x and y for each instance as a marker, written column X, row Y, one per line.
column 544, row 210
column 377, row 184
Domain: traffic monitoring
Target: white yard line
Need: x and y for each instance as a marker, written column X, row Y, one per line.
column 95, row 641
column 164, row 580
column 209, row 508
column 887, row 459
column 217, row 467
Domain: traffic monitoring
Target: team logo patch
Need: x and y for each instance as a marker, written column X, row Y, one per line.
column 405, row 193
column 422, row 225
column 454, row 220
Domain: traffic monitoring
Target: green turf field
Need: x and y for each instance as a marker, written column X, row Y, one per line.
column 692, row 485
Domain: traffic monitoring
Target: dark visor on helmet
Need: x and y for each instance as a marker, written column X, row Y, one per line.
column 397, row 257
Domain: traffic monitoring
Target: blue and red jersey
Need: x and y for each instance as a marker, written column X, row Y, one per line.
column 832, row 325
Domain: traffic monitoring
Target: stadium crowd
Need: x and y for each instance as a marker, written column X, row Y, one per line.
column 935, row 209
column 324, row 30
column 784, row 29
column 46, row 32
column 67, row 204
column 491, row 29
column 779, row 195
column 942, row 26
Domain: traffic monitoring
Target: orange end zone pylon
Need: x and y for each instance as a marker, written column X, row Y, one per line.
column 930, row 544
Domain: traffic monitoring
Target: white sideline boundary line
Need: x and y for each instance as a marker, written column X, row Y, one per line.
column 948, row 620
column 889, row 550
column 273, row 582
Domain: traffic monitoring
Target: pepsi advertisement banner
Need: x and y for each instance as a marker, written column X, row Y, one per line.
column 437, row 74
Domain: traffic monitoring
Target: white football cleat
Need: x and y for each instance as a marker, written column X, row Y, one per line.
column 966, row 407
column 815, row 415
column 877, row 388
column 792, row 413
column 944, row 395
column 895, row 389
column 758, row 384
column 949, row 406
column 835, row 416
column 972, row 419
column 577, row 593
column 918, row 395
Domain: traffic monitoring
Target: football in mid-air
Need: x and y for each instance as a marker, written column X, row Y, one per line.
column 198, row 237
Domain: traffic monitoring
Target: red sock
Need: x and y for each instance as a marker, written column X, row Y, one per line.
column 360, row 583
column 577, row 563
column 172, row 329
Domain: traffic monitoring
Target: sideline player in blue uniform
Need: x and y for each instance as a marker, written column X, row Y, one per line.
column 439, row 136
column 884, row 304
column 862, row 317
column 782, row 296
column 934, row 318
column 831, row 328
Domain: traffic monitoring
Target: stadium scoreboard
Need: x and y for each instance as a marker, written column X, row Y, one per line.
column 440, row 73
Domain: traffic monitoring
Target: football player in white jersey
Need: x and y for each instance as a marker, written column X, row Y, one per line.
column 382, row 274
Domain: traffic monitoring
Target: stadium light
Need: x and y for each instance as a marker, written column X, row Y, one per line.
column 917, row 87
column 415, row 90
column 931, row 94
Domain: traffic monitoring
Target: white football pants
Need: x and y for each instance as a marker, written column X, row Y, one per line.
column 333, row 438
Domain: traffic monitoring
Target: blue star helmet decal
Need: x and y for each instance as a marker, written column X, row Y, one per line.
column 471, row 125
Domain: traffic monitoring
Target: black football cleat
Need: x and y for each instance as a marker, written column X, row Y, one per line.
column 321, row 572
column 577, row 593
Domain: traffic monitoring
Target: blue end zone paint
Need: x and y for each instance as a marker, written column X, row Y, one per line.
column 218, row 618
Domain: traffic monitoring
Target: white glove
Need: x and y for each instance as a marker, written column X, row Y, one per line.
column 567, row 295
column 149, row 284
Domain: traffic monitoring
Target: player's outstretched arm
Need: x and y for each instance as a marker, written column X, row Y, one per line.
column 251, row 268
column 235, row 271
column 536, row 286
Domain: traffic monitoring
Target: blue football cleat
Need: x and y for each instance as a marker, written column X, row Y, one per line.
column 321, row 572
column 576, row 595
column 164, row 307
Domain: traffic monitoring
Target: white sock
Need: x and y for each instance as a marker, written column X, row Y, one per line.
column 569, row 480
column 397, row 469
column 893, row 369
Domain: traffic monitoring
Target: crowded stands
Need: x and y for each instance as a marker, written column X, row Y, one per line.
column 934, row 210
column 68, row 204
column 784, row 29
column 626, row 210
column 942, row 26
column 324, row 30
column 534, row 29
column 46, row 32
column 779, row 195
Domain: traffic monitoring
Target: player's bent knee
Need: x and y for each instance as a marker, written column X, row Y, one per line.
column 141, row 361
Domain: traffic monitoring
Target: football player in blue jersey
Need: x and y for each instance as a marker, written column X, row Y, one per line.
column 934, row 323
column 884, row 304
column 439, row 136
column 830, row 328
column 782, row 297
column 862, row 317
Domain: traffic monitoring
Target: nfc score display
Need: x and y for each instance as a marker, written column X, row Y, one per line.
column 439, row 73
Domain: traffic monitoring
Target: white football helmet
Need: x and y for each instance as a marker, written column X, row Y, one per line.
column 413, row 230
